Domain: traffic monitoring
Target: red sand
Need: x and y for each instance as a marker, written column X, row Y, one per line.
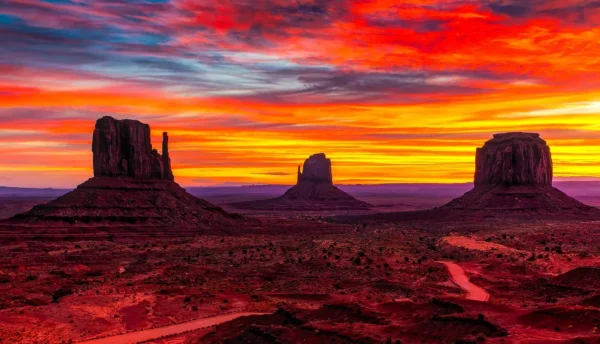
column 140, row 336
column 474, row 292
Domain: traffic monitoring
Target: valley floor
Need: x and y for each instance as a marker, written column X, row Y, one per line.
column 408, row 282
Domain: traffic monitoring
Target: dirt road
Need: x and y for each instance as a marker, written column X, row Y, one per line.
column 462, row 281
column 140, row 336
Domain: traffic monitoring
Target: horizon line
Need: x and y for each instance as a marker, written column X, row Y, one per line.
column 233, row 185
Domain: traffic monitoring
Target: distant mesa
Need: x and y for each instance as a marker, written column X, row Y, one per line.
column 133, row 186
column 317, row 169
column 513, row 174
column 314, row 191
column 513, row 178
column 514, row 159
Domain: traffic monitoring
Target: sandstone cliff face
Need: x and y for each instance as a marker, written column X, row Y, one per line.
column 514, row 159
column 122, row 148
column 317, row 169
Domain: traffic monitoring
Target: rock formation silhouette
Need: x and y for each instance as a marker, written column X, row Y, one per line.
column 513, row 174
column 513, row 178
column 313, row 191
column 133, row 186
column 317, row 169
column 514, row 159
column 122, row 148
column 166, row 160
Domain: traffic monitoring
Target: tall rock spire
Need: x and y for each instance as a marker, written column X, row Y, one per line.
column 167, row 173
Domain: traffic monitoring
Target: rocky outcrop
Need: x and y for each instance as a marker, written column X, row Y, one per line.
column 167, row 173
column 314, row 191
column 122, row 148
column 514, row 159
column 513, row 179
column 317, row 169
column 132, row 188
column 513, row 176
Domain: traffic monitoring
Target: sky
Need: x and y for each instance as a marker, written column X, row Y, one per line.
column 391, row 91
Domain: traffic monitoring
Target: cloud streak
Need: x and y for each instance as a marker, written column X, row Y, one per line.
column 391, row 91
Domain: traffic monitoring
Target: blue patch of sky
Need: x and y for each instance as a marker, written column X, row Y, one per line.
column 143, row 38
column 149, row 1
column 16, row 24
column 7, row 20
column 274, row 63
column 58, row 1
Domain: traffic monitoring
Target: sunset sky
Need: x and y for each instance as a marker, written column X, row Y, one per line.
column 391, row 91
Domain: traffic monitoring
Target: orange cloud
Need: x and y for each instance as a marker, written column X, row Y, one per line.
column 392, row 93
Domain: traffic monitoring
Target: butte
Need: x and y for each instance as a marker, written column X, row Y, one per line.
column 513, row 174
column 133, row 188
column 513, row 179
column 314, row 191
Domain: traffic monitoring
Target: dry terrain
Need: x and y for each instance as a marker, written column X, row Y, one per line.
column 511, row 281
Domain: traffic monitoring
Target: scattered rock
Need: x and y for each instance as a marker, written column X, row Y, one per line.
column 585, row 277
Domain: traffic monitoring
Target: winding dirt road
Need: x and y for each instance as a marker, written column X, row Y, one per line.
column 154, row 333
column 462, row 281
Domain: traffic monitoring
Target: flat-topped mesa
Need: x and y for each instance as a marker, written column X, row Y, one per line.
column 317, row 169
column 514, row 159
column 122, row 148
column 513, row 179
